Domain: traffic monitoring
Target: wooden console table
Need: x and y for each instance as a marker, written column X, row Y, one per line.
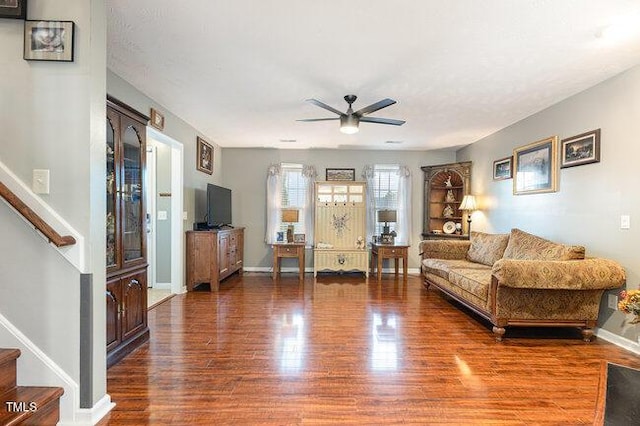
column 397, row 251
column 281, row 250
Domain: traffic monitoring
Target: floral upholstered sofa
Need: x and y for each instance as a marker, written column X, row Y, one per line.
column 519, row 279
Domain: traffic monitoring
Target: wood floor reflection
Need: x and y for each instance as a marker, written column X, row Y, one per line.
column 342, row 350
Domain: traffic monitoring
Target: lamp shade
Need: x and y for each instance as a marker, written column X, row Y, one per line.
column 387, row 216
column 290, row 215
column 468, row 203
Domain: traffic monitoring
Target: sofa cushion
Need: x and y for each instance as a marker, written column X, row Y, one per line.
column 525, row 246
column 475, row 281
column 442, row 267
column 487, row 248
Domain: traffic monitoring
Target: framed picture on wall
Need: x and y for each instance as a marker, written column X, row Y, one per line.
column 535, row 167
column 341, row 174
column 16, row 9
column 204, row 160
column 157, row 119
column 48, row 41
column 503, row 168
column 580, row 149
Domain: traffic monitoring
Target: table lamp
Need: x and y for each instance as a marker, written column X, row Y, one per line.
column 386, row 216
column 290, row 216
column 468, row 205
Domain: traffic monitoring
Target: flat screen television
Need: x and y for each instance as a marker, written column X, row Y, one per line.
column 218, row 206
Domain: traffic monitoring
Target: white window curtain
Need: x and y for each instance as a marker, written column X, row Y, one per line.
column 309, row 176
column 279, row 177
column 274, row 202
column 403, row 227
column 369, row 177
column 394, row 194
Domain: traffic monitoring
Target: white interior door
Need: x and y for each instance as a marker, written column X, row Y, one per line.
column 150, row 185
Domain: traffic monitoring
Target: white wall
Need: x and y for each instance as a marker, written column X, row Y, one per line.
column 52, row 116
column 587, row 207
column 245, row 173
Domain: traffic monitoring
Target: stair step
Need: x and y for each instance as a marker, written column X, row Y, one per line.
column 30, row 405
column 8, row 369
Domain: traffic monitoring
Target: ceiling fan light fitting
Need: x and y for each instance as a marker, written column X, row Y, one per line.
column 349, row 124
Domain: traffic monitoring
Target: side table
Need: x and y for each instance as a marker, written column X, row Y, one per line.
column 281, row 250
column 396, row 251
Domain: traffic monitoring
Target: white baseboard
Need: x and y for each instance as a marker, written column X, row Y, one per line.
column 620, row 341
column 269, row 269
column 90, row 416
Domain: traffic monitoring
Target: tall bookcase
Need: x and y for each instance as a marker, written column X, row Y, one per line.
column 340, row 227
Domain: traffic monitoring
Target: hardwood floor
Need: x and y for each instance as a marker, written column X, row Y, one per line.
column 339, row 350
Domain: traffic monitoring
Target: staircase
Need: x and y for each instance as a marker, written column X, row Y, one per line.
column 25, row 405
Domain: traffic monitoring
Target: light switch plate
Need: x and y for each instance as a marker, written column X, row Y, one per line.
column 625, row 221
column 162, row 215
column 185, row 216
column 40, row 183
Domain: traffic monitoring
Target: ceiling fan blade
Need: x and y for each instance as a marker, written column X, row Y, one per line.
column 325, row 106
column 391, row 121
column 319, row 119
column 375, row 107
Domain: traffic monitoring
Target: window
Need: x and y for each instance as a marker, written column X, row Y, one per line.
column 385, row 191
column 293, row 193
column 289, row 186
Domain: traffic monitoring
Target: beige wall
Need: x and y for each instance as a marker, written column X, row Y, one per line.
column 245, row 172
column 591, row 198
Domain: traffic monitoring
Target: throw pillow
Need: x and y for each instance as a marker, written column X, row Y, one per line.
column 487, row 248
column 525, row 246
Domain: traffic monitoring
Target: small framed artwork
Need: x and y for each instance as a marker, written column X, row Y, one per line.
column 16, row 9
column 535, row 167
column 48, row 41
column 502, row 169
column 341, row 174
column 157, row 119
column 204, row 156
column 580, row 149
column 298, row 238
column 387, row 239
column 280, row 236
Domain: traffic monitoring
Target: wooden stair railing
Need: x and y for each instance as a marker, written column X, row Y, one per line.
column 34, row 219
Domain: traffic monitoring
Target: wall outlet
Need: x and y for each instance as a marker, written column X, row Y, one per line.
column 612, row 302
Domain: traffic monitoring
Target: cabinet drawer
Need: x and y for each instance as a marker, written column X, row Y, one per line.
column 341, row 260
column 287, row 251
column 390, row 252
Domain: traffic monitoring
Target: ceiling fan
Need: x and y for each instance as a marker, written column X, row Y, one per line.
column 350, row 120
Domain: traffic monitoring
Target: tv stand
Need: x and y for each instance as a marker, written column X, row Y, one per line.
column 213, row 255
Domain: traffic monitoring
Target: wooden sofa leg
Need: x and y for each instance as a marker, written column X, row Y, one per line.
column 587, row 334
column 499, row 332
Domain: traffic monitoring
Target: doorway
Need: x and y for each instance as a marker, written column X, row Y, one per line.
column 164, row 199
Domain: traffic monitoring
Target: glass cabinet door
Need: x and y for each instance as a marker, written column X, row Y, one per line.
column 111, row 196
column 132, row 214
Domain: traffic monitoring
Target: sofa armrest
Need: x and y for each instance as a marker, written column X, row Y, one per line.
column 587, row 274
column 444, row 249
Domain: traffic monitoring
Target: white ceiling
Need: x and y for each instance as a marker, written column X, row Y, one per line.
column 239, row 71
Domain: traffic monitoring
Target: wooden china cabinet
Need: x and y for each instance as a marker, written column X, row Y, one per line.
column 126, row 292
column 444, row 187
